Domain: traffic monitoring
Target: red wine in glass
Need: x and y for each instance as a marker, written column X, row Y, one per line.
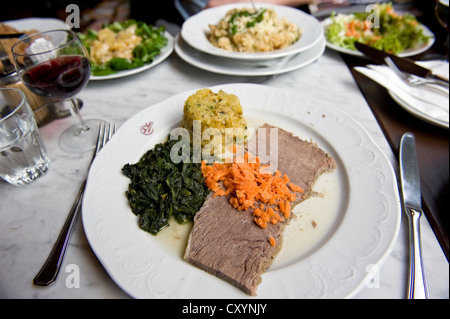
column 59, row 78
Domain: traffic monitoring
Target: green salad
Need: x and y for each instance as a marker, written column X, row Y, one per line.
column 123, row 45
column 382, row 28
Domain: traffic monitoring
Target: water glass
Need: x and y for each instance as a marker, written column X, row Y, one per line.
column 23, row 157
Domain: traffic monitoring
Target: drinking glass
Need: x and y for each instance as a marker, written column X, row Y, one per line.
column 55, row 64
column 441, row 12
column 23, row 156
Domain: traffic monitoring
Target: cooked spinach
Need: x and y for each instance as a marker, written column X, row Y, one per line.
column 160, row 188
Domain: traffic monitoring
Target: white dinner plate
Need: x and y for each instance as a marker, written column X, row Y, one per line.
column 195, row 29
column 406, row 53
column 247, row 68
column 356, row 227
column 45, row 24
column 164, row 54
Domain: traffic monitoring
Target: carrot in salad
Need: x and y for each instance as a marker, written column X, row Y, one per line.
column 249, row 183
column 351, row 29
column 390, row 10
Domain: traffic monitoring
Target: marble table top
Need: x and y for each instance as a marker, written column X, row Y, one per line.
column 32, row 215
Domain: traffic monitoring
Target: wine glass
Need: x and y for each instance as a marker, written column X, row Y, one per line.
column 55, row 64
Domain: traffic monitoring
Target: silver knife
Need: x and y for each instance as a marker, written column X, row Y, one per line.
column 412, row 203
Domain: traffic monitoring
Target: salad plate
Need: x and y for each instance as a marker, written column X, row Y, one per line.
column 379, row 26
column 164, row 54
column 357, row 217
column 195, row 29
column 409, row 52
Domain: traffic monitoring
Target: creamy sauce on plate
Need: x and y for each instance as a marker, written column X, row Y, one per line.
column 311, row 226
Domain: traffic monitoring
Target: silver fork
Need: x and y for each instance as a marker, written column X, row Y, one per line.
column 49, row 271
column 415, row 80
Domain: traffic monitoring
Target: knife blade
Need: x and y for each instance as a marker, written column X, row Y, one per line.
column 412, row 203
column 404, row 64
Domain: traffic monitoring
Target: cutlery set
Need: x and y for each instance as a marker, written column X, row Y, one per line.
column 404, row 64
column 413, row 80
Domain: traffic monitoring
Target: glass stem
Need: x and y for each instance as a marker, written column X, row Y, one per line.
column 76, row 115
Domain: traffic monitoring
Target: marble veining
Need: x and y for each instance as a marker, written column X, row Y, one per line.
column 32, row 215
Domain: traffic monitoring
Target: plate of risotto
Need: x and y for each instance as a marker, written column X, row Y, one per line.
column 241, row 32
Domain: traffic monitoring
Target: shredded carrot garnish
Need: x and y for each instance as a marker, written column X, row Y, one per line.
column 260, row 222
column 296, row 188
column 252, row 185
column 287, row 210
column 272, row 241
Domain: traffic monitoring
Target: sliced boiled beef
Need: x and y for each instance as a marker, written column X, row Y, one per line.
column 227, row 242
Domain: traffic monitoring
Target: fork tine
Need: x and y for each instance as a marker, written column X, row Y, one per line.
column 105, row 134
column 111, row 131
column 114, row 129
column 394, row 67
column 100, row 138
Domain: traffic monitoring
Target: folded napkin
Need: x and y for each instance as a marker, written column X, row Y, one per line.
column 433, row 104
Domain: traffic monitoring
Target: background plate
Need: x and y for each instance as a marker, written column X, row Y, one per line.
column 45, row 24
column 247, row 68
column 194, row 32
column 404, row 54
column 165, row 52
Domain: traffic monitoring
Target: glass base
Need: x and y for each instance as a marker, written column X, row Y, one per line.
column 74, row 140
column 27, row 175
